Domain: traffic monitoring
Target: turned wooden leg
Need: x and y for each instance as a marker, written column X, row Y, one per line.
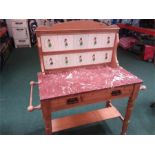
column 46, row 112
column 130, row 108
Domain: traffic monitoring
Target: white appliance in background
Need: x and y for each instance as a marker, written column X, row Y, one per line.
column 20, row 32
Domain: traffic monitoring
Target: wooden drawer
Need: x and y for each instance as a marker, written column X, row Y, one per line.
column 121, row 91
column 49, row 43
column 19, row 23
column 108, row 94
column 94, row 41
column 65, row 42
column 52, row 62
column 96, row 96
column 107, row 40
column 81, row 41
column 66, row 102
column 20, row 33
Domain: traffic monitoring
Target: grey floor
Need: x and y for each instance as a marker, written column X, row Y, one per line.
column 23, row 65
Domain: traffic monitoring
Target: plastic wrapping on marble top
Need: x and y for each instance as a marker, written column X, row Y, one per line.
column 84, row 79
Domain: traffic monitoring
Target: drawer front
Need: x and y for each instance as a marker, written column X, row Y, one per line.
column 97, row 96
column 52, row 62
column 49, row 43
column 108, row 94
column 77, row 59
column 107, row 40
column 19, row 23
column 121, row 91
column 94, row 41
column 66, row 102
column 65, row 42
column 81, row 41
column 20, row 33
column 22, row 42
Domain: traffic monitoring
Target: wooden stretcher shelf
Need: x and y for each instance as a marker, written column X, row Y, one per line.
column 67, row 122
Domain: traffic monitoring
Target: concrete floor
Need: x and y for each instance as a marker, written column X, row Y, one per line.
column 23, row 66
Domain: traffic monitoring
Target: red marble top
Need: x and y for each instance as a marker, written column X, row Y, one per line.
column 79, row 80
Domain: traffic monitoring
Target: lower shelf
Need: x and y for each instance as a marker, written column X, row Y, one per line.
column 67, row 122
